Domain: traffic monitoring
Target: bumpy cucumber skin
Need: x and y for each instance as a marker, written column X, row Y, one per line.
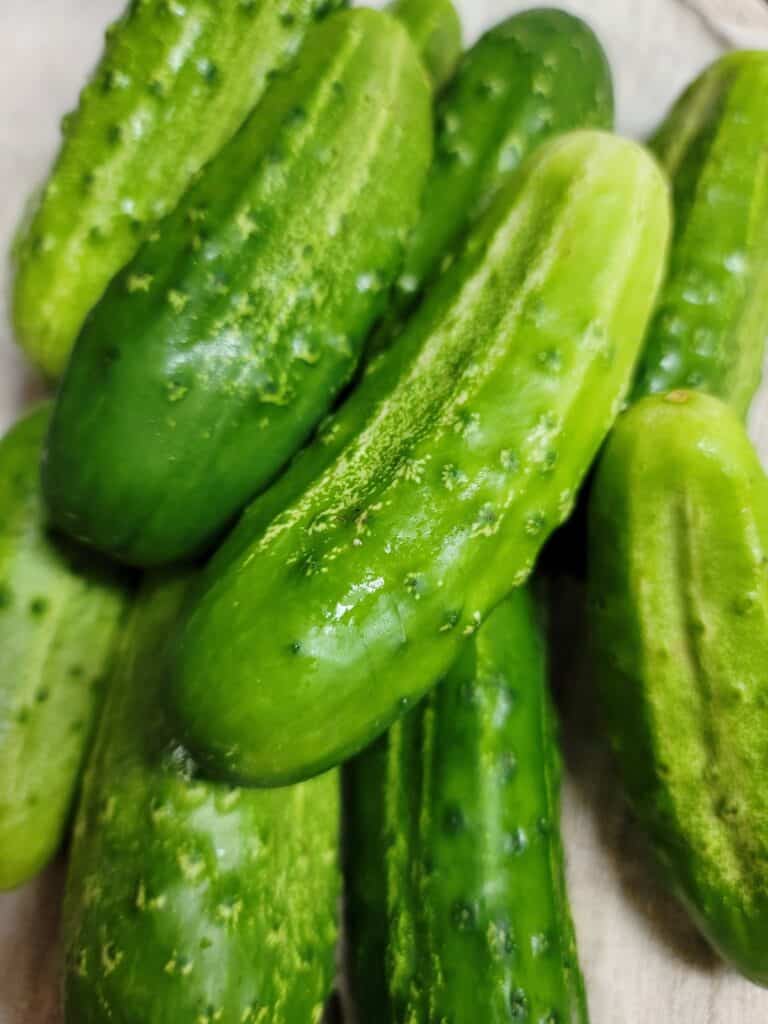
column 534, row 76
column 214, row 354
column 189, row 901
column 435, row 28
column 174, row 84
column 710, row 329
column 462, row 448
column 60, row 611
column 469, row 917
column 678, row 549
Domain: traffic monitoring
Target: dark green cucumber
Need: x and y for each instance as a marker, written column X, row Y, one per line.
column 710, row 329
column 456, row 895
column 60, row 610
column 187, row 901
column 679, row 596
column 338, row 601
column 534, row 76
column 214, row 354
column 435, row 28
column 175, row 82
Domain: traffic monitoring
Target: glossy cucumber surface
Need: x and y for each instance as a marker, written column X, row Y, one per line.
column 190, row 901
column 678, row 553
column 216, row 351
column 456, row 899
column 341, row 598
column 709, row 332
column 532, row 77
column 60, row 612
column 175, row 82
column 435, row 28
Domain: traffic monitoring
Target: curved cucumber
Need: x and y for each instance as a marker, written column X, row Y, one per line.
column 174, row 84
column 710, row 329
column 188, row 901
column 457, row 908
column 678, row 549
column 534, row 76
column 60, row 610
column 214, row 354
column 329, row 620
column 435, row 28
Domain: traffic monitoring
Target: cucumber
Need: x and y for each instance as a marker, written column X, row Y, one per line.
column 435, row 28
column 185, row 900
column 175, row 82
column 460, row 451
column 532, row 77
column 456, row 896
column 710, row 329
column 60, row 610
column 678, row 550
column 215, row 352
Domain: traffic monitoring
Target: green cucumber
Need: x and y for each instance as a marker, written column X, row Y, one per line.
column 456, row 895
column 679, row 598
column 60, row 611
column 534, row 76
column 710, row 329
column 216, row 351
column 336, row 604
column 435, row 28
column 190, row 901
column 174, row 84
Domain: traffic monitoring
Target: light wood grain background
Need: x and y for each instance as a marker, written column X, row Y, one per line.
column 642, row 958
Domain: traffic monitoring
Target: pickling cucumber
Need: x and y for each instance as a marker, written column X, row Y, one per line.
column 175, row 82
column 60, row 611
column 334, row 605
column 455, row 890
column 216, row 351
column 435, row 28
column 532, row 77
column 188, row 901
column 709, row 332
column 679, row 598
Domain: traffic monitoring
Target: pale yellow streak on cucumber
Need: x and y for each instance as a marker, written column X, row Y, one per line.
column 368, row 455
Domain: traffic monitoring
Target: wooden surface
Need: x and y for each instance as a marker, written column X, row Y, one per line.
column 642, row 958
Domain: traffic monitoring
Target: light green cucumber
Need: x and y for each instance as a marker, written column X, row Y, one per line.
column 174, row 83
column 456, row 903
column 710, row 330
column 188, row 901
column 679, row 598
column 60, row 611
column 342, row 597
column 435, row 28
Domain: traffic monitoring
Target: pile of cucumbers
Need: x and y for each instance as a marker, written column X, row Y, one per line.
column 339, row 320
